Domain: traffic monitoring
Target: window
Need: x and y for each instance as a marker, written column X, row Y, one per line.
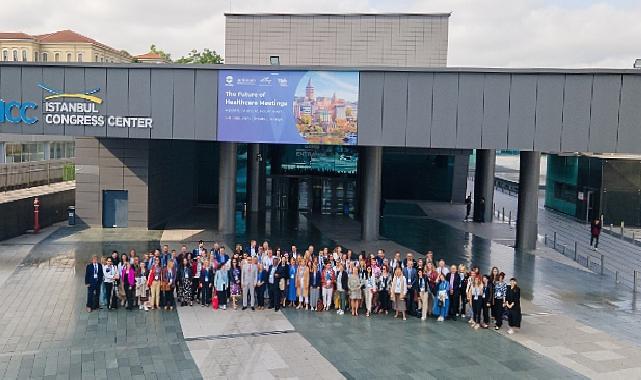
column 24, row 152
column 44, row 57
column 15, row 55
column 56, row 57
column 61, row 149
column 102, row 59
column 5, row 55
column 68, row 57
column 35, row 56
column 96, row 60
column 79, row 57
column 24, row 56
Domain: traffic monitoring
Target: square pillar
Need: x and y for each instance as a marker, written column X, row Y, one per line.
column 227, row 188
column 371, row 191
column 527, row 218
column 484, row 185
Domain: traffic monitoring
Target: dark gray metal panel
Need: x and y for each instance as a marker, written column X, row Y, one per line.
column 444, row 110
column 470, row 111
column 140, row 99
column 53, row 78
column 74, row 84
column 117, row 99
column 31, row 77
column 419, row 109
column 496, row 111
column 162, row 100
column 370, row 108
column 576, row 113
column 395, row 109
column 97, row 78
column 184, row 90
column 549, row 113
column 604, row 121
column 206, row 102
column 629, row 136
column 520, row 133
column 10, row 90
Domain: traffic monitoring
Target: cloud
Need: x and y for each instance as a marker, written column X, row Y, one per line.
column 502, row 33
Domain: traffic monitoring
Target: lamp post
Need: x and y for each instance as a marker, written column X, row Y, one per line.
column 637, row 64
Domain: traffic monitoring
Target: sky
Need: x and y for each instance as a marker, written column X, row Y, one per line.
column 483, row 33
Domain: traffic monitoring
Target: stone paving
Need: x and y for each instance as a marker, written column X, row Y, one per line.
column 46, row 332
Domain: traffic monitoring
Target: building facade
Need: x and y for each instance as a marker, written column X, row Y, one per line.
column 60, row 46
column 349, row 40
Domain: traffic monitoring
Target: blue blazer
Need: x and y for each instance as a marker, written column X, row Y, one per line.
column 89, row 272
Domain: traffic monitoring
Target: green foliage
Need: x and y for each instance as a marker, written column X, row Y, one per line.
column 204, row 57
column 155, row 49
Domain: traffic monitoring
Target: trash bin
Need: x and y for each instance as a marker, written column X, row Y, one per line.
column 71, row 213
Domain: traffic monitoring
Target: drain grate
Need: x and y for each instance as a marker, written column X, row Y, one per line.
column 239, row 335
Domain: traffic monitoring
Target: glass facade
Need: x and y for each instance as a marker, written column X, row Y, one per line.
column 61, row 149
column 621, row 192
column 24, row 152
column 561, row 183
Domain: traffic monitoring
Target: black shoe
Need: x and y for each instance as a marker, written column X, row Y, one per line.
column 253, row 308
column 244, row 308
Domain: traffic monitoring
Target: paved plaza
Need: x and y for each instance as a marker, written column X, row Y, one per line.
column 576, row 323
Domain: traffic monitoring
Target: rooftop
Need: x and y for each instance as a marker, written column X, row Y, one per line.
column 60, row 36
column 448, row 14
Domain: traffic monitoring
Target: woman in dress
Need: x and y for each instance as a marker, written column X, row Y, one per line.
column 370, row 290
column 399, row 290
column 513, row 304
column 291, row 284
column 234, row 283
column 302, row 284
column 186, row 283
column 354, row 286
column 442, row 301
column 141, row 287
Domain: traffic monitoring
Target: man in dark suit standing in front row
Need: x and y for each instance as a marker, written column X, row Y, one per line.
column 93, row 280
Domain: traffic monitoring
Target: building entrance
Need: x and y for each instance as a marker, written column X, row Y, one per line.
column 316, row 195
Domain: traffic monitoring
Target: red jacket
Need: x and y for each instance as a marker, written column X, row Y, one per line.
column 152, row 276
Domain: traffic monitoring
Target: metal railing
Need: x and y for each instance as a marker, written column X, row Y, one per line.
column 28, row 174
column 594, row 262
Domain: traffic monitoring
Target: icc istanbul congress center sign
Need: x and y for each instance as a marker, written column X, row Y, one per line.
column 71, row 109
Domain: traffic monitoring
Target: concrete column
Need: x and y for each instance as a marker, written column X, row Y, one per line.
column 484, row 185
column 2, row 152
column 371, row 192
column 526, row 226
column 227, row 188
column 255, row 178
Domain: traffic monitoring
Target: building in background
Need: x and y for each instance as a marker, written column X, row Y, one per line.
column 586, row 186
column 358, row 39
column 60, row 46
column 151, row 57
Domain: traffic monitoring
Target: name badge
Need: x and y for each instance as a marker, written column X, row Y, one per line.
column 206, row 278
column 156, row 277
column 95, row 275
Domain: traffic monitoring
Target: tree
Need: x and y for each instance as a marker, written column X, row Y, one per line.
column 206, row 56
column 164, row 55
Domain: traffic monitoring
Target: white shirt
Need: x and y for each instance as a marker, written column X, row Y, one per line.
column 109, row 271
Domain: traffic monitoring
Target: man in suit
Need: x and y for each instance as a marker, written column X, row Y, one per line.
column 275, row 273
column 412, row 278
column 248, row 280
column 455, row 291
column 93, row 281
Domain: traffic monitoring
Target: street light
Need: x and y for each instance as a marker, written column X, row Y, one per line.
column 637, row 64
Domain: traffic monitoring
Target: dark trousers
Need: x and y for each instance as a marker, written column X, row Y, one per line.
column 222, row 297
column 455, row 299
column 463, row 303
column 163, row 301
column 129, row 293
column 260, row 296
column 497, row 312
column 195, row 288
column 114, row 301
column 383, row 298
column 477, row 305
column 514, row 317
column 409, row 302
column 93, row 294
column 109, row 288
column 168, row 296
column 205, row 294
column 274, row 296
column 486, row 313
column 592, row 239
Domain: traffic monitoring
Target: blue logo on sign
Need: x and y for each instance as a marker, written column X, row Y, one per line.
column 17, row 112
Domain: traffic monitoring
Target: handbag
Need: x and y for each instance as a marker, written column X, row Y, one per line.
column 281, row 284
column 214, row 302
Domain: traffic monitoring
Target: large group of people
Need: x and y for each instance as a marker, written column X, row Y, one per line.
column 261, row 277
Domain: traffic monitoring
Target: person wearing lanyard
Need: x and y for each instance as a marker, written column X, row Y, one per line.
column 185, row 280
column 328, row 285
column 169, row 276
column 399, row 292
column 154, row 285
column 206, row 279
column 93, row 280
column 221, row 284
column 129, row 284
column 260, row 286
column 423, row 290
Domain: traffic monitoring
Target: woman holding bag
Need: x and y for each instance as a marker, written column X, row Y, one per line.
column 442, row 302
column 221, row 284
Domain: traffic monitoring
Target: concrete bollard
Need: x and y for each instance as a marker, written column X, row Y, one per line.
column 575, row 249
column 602, row 264
column 622, row 229
column 503, row 208
column 554, row 246
column 509, row 219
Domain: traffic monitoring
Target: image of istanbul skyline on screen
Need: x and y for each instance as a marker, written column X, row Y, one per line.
column 288, row 107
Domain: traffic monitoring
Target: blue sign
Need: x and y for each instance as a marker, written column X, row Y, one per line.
column 17, row 112
column 288, row 107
